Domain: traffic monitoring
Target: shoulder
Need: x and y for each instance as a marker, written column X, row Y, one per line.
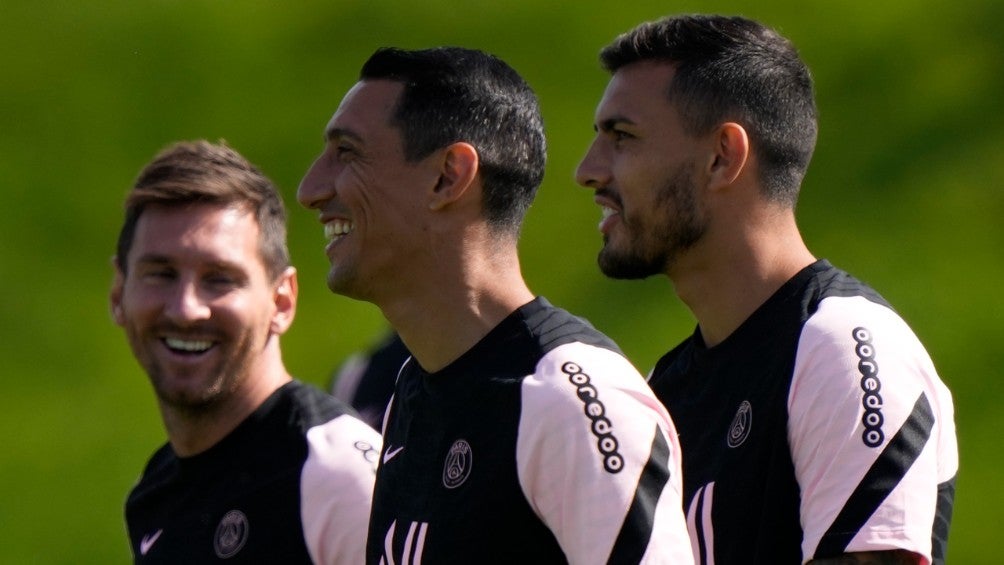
column 310, row 406
column 853, row 335
column 843, row 315
column 333, row 432
column 860, row 355
column 554, row 327
column 575, row 368
column 160, row 469
column 581, row 392
column 849, row 332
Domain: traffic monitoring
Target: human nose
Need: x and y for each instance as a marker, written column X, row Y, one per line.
column 186, row 305
column 311, row 191
column 593, row 171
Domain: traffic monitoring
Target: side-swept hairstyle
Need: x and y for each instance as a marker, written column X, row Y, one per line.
column 201, row 172
column 453, row 94
column 734, row 69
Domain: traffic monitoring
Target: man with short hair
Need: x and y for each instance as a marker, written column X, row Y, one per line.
column 258, row 468
column 814, row 426
column 517, row 433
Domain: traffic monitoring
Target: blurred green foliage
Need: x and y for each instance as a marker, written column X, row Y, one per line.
column 902, row 193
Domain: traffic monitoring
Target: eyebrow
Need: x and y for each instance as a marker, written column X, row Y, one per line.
column 611, row 122
column 152, row 259
column 219, row 264
column 334, row 134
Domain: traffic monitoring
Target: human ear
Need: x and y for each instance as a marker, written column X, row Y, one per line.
column 458, row 169
column 731, row 150
column 284, row 295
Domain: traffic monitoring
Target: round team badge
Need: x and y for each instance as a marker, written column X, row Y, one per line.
column 741, row 424
column 458, row 464
column 231, row 534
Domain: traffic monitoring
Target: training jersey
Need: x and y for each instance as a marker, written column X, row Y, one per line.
column 819, row 427
column 291, row 484
column 541, row 444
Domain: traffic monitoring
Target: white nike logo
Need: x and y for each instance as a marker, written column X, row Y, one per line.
column 147, row 542
column 391, row 453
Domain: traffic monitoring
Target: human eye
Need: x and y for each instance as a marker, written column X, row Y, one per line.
column 224, row 279
column 344, row 151
column 221, row 281
column 615, row 131
column 619, row 136
column 157, row 274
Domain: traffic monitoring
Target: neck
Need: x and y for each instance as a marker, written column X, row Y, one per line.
column 724, row 280
column 453, row 307
column 192, row 431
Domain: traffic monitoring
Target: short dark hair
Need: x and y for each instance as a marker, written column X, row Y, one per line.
column 733, row 68
column 453, row 94
column 201, row 172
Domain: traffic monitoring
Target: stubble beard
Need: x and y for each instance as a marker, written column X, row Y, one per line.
column 201, row 391
column 682, row 223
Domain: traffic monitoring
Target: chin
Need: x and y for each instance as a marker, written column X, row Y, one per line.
column 625, row 267
column 188, row 400
column 344, row 288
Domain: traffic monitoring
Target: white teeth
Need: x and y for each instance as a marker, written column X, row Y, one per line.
column 190, row 346
column 605, row 212
column 336, row 228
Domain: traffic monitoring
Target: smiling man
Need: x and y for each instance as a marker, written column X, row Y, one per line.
column 813, row 423
column 258, row 467
column 517, row 432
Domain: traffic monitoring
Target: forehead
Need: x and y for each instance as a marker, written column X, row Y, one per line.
column 197, row 231
column 637, row 93
column 366, row 111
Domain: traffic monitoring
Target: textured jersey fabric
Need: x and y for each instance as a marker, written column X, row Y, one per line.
column 541, row 444
column 819, row 427
column 291, row 484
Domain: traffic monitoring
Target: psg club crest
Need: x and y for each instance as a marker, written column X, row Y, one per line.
column 231, row 534
column 741, row 424
column 458, row 464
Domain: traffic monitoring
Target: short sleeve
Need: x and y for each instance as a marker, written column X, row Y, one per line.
column 337, row 489
column 871, row 429
column 599, row 460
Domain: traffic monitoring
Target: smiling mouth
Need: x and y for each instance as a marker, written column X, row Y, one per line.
column 607, row 213
column 187, row 346
column 337, row 229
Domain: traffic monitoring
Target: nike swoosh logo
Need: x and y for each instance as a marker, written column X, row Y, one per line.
column 147, row 542
column 391, row 453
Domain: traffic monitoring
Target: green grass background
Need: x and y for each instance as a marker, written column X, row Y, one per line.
column 904, row 192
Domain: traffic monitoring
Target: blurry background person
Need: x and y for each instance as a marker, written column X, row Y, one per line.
column 365, row 380
column 258, row 467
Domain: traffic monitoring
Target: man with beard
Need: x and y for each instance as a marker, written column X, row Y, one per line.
column 813, row 424
column 517, row 433
column 259, row 467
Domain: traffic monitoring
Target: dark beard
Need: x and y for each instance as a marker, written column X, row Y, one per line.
column 653, row 254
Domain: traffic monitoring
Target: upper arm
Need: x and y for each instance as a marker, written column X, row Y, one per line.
column 598, row 459
column 871, row 432
column 337, row 489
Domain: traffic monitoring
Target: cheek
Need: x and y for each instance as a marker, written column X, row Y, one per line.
column 254, row 313
column 137, row 304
